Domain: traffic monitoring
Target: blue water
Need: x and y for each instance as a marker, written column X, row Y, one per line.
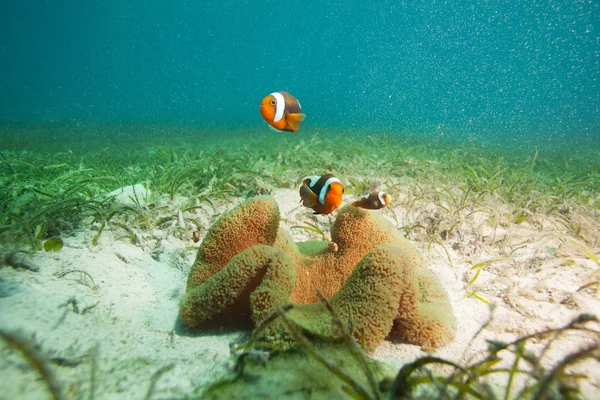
column 475, row 67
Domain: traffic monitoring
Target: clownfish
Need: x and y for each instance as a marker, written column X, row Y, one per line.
column 321, row 193
column 373, row 201
column 282, row 111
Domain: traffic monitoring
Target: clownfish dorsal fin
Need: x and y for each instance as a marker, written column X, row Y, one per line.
column 294, row 120
column 308, row 197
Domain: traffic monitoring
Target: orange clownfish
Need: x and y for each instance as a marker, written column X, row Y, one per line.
column 373, row 201
column 282, row 111
column 321, row 193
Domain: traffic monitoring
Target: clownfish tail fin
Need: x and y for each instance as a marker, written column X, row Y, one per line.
column 294, row 120
column 307, row 196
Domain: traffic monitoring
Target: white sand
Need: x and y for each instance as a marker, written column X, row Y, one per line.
column 131, row 312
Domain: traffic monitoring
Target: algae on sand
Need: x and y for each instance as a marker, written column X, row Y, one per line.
column 296, row 375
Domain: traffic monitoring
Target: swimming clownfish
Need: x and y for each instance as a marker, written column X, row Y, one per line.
column 282, row 111
column 321, row 193
column 373, row 201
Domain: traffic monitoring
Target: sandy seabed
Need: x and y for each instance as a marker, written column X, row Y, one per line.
column 110, row 335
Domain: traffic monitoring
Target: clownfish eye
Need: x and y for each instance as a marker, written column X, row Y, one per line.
column 272, row 102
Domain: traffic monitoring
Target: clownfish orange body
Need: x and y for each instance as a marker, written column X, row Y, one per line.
column 282, row 111
column 321, row 193
column 373, row 201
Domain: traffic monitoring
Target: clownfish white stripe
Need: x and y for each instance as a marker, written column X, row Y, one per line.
column 280, row 106
column 326, row 187
column 313, row 180
column 381, row 199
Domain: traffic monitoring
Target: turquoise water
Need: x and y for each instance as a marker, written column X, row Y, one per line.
column 499, row 71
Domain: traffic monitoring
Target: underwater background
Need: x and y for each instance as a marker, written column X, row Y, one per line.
column 129, row 128
column 494, row 71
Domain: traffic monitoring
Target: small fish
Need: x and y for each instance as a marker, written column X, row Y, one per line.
column 373, row 201
column 321, row 193
column 282, row 111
